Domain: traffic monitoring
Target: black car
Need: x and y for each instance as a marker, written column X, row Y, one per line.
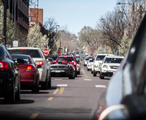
column 9, row 77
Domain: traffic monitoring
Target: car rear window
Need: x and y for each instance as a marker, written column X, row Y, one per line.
column 100, row 57
column 32, row 53
column 68, row 59
column 113, row 60
column 21, row 59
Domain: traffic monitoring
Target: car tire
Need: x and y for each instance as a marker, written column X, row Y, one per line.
column 10, row 96
column 45, row 84
column 72, row 76
column 35, row 88
column 101, row 76
column 18, row 93
column 94, row 73
column 49, row 82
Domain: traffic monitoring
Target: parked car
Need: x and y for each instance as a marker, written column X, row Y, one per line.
column 29, row 73
column 98, row 60
column 90, row 63
column 109, row 65
column 128, row 101
column 63, row 65
column 86, row 60
column 39, row 59
column 9, row 77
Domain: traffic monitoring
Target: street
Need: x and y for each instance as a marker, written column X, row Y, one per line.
column 69, row 99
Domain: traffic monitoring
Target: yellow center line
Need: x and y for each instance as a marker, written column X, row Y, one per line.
column 61, row 91
column 56, row 91
column 50, row 98
column 34, row 116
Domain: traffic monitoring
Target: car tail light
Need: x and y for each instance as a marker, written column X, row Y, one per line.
column 22, row 49
column 40, row 62
column 30, row 68
column 74, row 63
column 98, row 115
column 3, row 65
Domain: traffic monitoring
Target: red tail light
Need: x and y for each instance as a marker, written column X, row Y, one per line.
column 30, row 68
column 40, row 62
column 3, row 65
column 75, row 63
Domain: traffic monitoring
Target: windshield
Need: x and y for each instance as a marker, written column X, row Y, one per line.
column 113, row 60
column 32, row 53
column 100, row 57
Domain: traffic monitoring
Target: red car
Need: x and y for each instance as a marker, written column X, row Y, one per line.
column 67, row 59
column 28, row 72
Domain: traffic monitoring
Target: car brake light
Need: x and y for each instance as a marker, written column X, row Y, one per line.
column 3, row 65
column 75, row 63
column 30, row 68
column 40, row 62
column 22, row 49
column 98, row 115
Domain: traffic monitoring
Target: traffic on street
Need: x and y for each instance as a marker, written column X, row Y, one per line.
column 72, row 60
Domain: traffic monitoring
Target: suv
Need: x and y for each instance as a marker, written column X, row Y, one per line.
column 110, row 65
column 40, row 61
column 9, row 77
column 98, row 60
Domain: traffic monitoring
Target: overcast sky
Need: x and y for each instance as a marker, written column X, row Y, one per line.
column 74, row 14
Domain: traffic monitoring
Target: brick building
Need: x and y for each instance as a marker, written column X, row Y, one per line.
column 35, row 16
column 19, row 13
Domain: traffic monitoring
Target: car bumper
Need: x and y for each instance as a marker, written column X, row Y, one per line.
column 108, row 74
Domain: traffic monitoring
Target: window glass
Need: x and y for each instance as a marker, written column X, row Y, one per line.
column 21, row 59
column 100, row 57
column 32, row 53
column 113, row 60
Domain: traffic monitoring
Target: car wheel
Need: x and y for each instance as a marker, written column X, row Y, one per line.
column 10, row 93
column 35, row 88
column 18, row 93
column 49, row 82
column 101, row 76
column 94, row 73
column 45, row 84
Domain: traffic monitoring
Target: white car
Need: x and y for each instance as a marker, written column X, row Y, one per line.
column 110, row 65
column 98, row 60
column 39, row 59
column 89, row 64
column 86, row 60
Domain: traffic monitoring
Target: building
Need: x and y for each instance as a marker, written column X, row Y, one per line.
column 35, row 16
column 19, row 13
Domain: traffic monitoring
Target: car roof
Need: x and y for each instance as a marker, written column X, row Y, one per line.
column 23, row 48
column 114, row 56
column 20, row 55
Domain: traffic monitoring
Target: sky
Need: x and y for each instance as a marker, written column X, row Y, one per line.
column 73, row 15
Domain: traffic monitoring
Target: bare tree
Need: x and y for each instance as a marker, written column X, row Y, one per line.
column 51, row 30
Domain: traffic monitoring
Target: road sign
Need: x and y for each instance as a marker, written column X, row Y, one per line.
column 46, row 52
column 15, row 43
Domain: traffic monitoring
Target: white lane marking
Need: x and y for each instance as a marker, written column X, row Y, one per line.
column 100, row 86
column 62, row 85
column 56, row 91
column 87, row 79
column 57, row 79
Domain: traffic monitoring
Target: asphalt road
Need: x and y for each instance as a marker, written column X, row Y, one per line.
column 69, row 99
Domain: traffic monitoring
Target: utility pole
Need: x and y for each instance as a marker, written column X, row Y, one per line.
column 5, row 4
